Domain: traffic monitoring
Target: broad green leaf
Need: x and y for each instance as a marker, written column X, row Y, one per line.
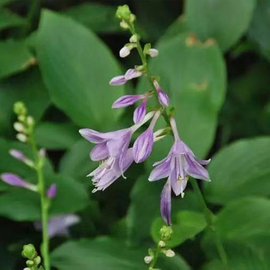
column 77, row 67
column 106, row 254
column 99, row 18
column 239, row 170
column 15, row 57
column 9, row 19
column 259, row 28
column 76, row 161
column 51, row 135
column 225, row 21
column 186, row 225
column 23, row 205
column 27, row 87
column 197, row 93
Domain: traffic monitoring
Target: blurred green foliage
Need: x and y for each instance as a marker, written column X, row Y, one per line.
column 58, row 57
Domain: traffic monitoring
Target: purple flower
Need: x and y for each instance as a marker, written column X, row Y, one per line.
column 126, row 101
column 15, row 180
column 165, row 203
column 178, row 166
column 52, row 191
column 129, row 75
column 21, row 157
column 162, row 96
column 140, row 112
column 59, row 225
column 144, row 144
column 110, row 170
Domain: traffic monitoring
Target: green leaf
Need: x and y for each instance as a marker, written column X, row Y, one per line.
column 239, row 170
column 76, row 161
column 9, row 19
column 15, row 57
column 71, row 197
column 186, row 225
column 259, row 28
column 27, row 87
column 77, row 68
column 52, row 135
column 225, row 21
column 106, row 254
column 197, row 93
column 99, row 18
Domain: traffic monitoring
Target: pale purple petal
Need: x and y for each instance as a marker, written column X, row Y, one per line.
column 139, row 113
column 17, row 154
column 202, row 161
column 52, row 191
column 99, row 152
column 160, row 171
column 15, row 180
column 195, row 170
column 59, row 226
column 132, row 73
column 179, row 185
column 143, row 146
column 165, row 203
column 126, row 101
column 163, row 98
column 118, row 80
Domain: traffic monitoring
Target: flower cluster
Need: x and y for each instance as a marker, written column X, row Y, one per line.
column 113, row 150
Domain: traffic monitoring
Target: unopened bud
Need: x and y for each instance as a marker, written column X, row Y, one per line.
column 19, row 108
column 169, row 253
column 153, row 52
column 18, row 127
column 30, row 121
column 161, row 244
column 42, row 153
column 148, row 259
column 37, row 260
column 29, row 252
column 166, row 232
column 21, row 137
column 133, row 39
column 124, row 25
column 30, row 263
column 124, row 52
column 132, row 18
column 123, row 12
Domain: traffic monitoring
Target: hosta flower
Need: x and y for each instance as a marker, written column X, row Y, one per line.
column 129, row 75
column 21, row 157
column 153, row 52
column 177, row 166
column 59, row 226
column 144, row 144
column 124, row 52
column 112, row 149
column 15, row 180
column 162, row 96
column 51, row 191
column 140, row 111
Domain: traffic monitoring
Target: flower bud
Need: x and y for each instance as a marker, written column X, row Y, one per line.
column 29, row 252
column 123, row 12
column 133, row 39
column 153, row 52
column 148, row 259
column 161, row 244
column 124, row 52
column 30, row 121
column 124, row 25
column 21, row 137
column 18, row 127
column 169, row 253
column 19, row 108
column 166, row 232
column 52, row 191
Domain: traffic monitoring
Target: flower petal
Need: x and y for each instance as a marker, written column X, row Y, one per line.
column 118, row 80
column 99, row 152
column 139, row 113
column 165, row 203
column 195, row 170
column 143, row 146
column 132, row 73
column 15, row 180
column 160, row 171
column 126, row 101
column 203, row 161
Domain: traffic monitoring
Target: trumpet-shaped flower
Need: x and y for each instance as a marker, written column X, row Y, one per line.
column 162, row 96
column 177, row 166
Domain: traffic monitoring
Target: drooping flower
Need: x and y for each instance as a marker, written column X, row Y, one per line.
column 162, row 96
column 140, row 111
column 129, row 75
column 126, row 101
column 177, row 166
column 51, row 191
column 15, row 180
column 112, row 148
column 144, row 144
column 59, row 226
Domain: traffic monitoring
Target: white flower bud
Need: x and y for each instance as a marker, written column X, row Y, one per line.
column 169, row 253
column 153, row 52
column 18, row 127
column 30, row 121
column 133, row 39
column 21, row 137
column 124, row 25
column 148, row 259
column 161, row 244
column 124, row 52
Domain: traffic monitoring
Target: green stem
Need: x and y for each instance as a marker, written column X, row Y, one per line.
column 154, row 261
column 209, row 218
column 44, row 204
